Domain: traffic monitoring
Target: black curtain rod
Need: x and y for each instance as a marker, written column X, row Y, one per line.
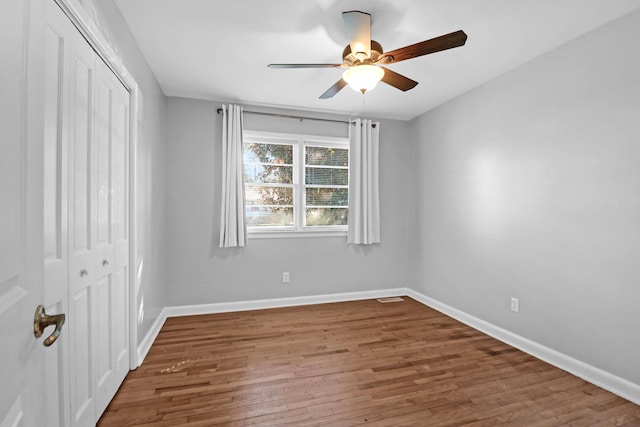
column 289, row 116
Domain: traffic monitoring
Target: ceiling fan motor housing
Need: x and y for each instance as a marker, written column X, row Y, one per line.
column 358, row 58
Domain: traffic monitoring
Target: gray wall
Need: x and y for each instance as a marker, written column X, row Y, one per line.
column 529, row 187
column 525, row 187
column 150, row 164
column 199, row 272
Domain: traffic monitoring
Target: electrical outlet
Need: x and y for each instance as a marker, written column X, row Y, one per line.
column 515, row 304
column 285, row 277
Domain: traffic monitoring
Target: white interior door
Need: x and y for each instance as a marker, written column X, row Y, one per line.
column 55, row 192
column 86, row 229
column 21, row 288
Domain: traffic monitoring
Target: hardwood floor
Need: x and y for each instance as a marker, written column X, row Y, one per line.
column 348, row 364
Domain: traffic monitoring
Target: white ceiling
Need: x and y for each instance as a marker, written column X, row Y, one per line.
column 219, row 49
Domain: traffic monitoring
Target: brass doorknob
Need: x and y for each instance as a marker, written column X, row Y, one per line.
column 41, row 320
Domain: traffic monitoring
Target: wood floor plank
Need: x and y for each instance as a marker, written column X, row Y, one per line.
column 348, row 364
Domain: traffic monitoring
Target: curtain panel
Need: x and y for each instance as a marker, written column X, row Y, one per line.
column 233, row 231
column 364, row 194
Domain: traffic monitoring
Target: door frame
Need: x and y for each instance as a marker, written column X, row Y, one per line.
column 90, row 31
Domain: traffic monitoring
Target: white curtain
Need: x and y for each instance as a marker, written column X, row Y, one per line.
column 364, row 196
column 232, row 227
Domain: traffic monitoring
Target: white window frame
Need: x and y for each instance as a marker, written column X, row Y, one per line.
column 299, row 142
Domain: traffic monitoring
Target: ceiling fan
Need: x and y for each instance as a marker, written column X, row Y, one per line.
column 364, row 58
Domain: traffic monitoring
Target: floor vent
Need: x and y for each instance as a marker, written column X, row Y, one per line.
column 390, row 299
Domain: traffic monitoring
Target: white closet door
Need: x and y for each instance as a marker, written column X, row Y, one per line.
column 111, row 236
column 86, row 222
column 83, row 275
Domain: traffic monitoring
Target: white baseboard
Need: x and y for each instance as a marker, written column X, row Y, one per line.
column 603, row 379
column 226, row 307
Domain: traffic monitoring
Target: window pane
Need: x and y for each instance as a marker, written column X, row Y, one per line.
column 327, row 156
column 264, row 195
column 270, row 174
column 261, row 216
column 327, row 216
column 326, row 176
column 281, row 154
column 259, row 173
column 327, row 197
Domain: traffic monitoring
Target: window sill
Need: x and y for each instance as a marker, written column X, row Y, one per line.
column 287, row 234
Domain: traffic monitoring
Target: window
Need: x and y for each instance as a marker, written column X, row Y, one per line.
column 295, row 184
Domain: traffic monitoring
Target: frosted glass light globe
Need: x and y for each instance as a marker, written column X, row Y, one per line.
column 362, row 78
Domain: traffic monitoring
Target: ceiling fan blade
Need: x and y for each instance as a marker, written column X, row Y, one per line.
column 337, row 87
column 304, row 65
column 358, row 28
column 447, row 41
column 398, row 80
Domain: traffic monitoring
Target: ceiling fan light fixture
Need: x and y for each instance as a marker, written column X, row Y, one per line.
column 362, row 78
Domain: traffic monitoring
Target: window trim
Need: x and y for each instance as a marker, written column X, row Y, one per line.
column 299, row 141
